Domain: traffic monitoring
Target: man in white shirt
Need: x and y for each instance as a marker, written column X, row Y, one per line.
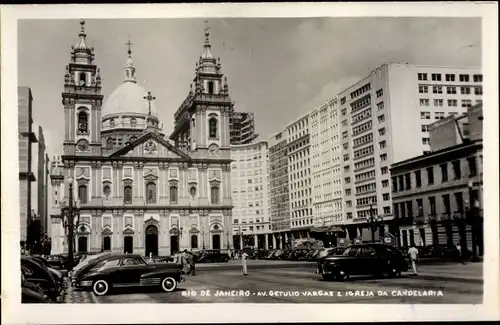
column 413, row 253
column 244, row 257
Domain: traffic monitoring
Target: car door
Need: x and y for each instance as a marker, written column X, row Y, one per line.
column 352, row 262
column 131, row 270
column 370, row 260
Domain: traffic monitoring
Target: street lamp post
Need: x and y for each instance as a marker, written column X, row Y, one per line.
column 70, row 216
column 473, row 220
column 372, row 222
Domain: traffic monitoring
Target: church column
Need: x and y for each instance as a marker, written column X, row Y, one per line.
column 93, row 180
column 198, row 127
column 116, row 182
column 161, row 182
column 203, row 123
column 135, row 189
column 67, row 126
column 139, row 180
column 72, row 118
column 98, row 181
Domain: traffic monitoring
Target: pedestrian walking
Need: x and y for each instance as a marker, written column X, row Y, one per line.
column 151, row 257
column 244, row 257
column 230, row 254
column 413, row 253
column 460, row 254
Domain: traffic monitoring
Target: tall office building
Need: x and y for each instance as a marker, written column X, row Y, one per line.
column 26, row 138
column 279, row 188
column 384, row 120
column 249, row 184
column 326, row 168
column 241, row 128
column 299, row 166
column 40, row 163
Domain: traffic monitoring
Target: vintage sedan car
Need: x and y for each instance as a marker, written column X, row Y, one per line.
column 213, row 256
column 86, row 265
column 363, row 259
column 38, row 274
column 130, row 270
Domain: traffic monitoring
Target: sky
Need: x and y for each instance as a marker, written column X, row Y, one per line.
column 278, row 68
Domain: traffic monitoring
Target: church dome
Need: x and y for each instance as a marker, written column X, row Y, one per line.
column 128, row 98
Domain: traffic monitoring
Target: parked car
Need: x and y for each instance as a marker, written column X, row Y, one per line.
column 130, row 270
column 57, row 261
column 32, row 293
column 213, row 256
column 86, row 265
column 40, row 275
column 363, row 259
column 57, row 274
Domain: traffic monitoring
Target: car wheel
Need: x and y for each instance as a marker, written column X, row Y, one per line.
column 342, row 275
column 100, row 287
column 168, row 284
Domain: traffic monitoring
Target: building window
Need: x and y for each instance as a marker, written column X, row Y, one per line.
column 383, row 157
column 385, row 196
column 438, row 102
column 466, row 103
column 478, row 78
column 342, row 101
column 478, row 90
column 459, row 200
column 214, row 194
column 446, row 203
column 452, row 102
column 439, row 115
column 385, row 183
column 424, row 102
column 382, row 144
column 436, row 77
column 444, row 172
column 133, row 122
column 381, row 131
column 430, row 175
column 437, row 89
column 422, row 76
column 465, row 90
column 83, row 122
column 420, row 207
column 380, row 106
column 456, row 169
column 425, row 115
column 407, row 181
column 394, row 184
column 348, row 192
column 127, row 194
column 423, row 89
column 380, row 93
column 109, row 143
column 106, row 190
column 173, row 194
column 212, row 122
column 347, row 180
column 384, row 170
column 192, row 191
column 472, row 166
column 82, row 194
column 464, row 78
column 450, row 77
column 210, row 87
column 151, row 192
column 425, row 128
column 432, row 204
column 451, row 90
column 425, row 141
column 418, row 178
column 381, row 118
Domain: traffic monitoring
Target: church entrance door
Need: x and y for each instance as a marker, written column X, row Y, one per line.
column 174, row 244
column 82, row 244
column 128, row 244
column 216, row 241
column 151, row 240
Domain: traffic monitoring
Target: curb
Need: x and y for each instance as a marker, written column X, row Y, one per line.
column 205, row 267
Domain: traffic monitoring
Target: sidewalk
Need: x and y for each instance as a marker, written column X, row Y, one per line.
column 254, row 264
column 469, row 272
column 76, row 296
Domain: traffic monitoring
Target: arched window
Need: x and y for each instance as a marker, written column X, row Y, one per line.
column 83, row 79
column 212, row 126
column 173, row 194
column 109, row 143
column 127, row 194
column 210, row 87
column 106, row 190
column 214, row 194
column 132, row 139
column 194, row 241
column 82, row 122
column 133, row 122
column 82, row 193
column 112, row 122
column 151, row 192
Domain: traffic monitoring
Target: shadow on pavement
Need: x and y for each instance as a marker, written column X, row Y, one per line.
column 131, row 290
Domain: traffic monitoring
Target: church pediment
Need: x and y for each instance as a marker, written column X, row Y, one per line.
column 150, row 145
column 128, row 231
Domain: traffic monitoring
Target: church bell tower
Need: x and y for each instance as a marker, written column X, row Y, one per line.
column 82, row 101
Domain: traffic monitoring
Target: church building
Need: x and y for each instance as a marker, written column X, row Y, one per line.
column 136, row 189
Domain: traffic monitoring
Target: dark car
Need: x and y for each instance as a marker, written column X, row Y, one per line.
column 130, row 270
column 212, row 256
column 363, row 259
column 57, row 261
column 41, row 276
column 86, row 265
column 57, row 274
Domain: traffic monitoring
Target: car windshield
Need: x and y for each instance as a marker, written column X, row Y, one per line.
column 89, row 259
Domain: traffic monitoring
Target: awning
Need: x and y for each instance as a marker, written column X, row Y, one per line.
column 327, row 229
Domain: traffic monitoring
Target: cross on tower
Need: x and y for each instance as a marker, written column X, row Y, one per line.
column 129, row 44
column 149, row 98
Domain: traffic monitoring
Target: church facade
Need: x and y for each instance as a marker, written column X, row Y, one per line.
column 138, row 190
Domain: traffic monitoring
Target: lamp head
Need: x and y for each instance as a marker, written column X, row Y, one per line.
column 70, row 180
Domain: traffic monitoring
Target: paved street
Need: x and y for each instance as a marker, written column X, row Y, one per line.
column 458, row 284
